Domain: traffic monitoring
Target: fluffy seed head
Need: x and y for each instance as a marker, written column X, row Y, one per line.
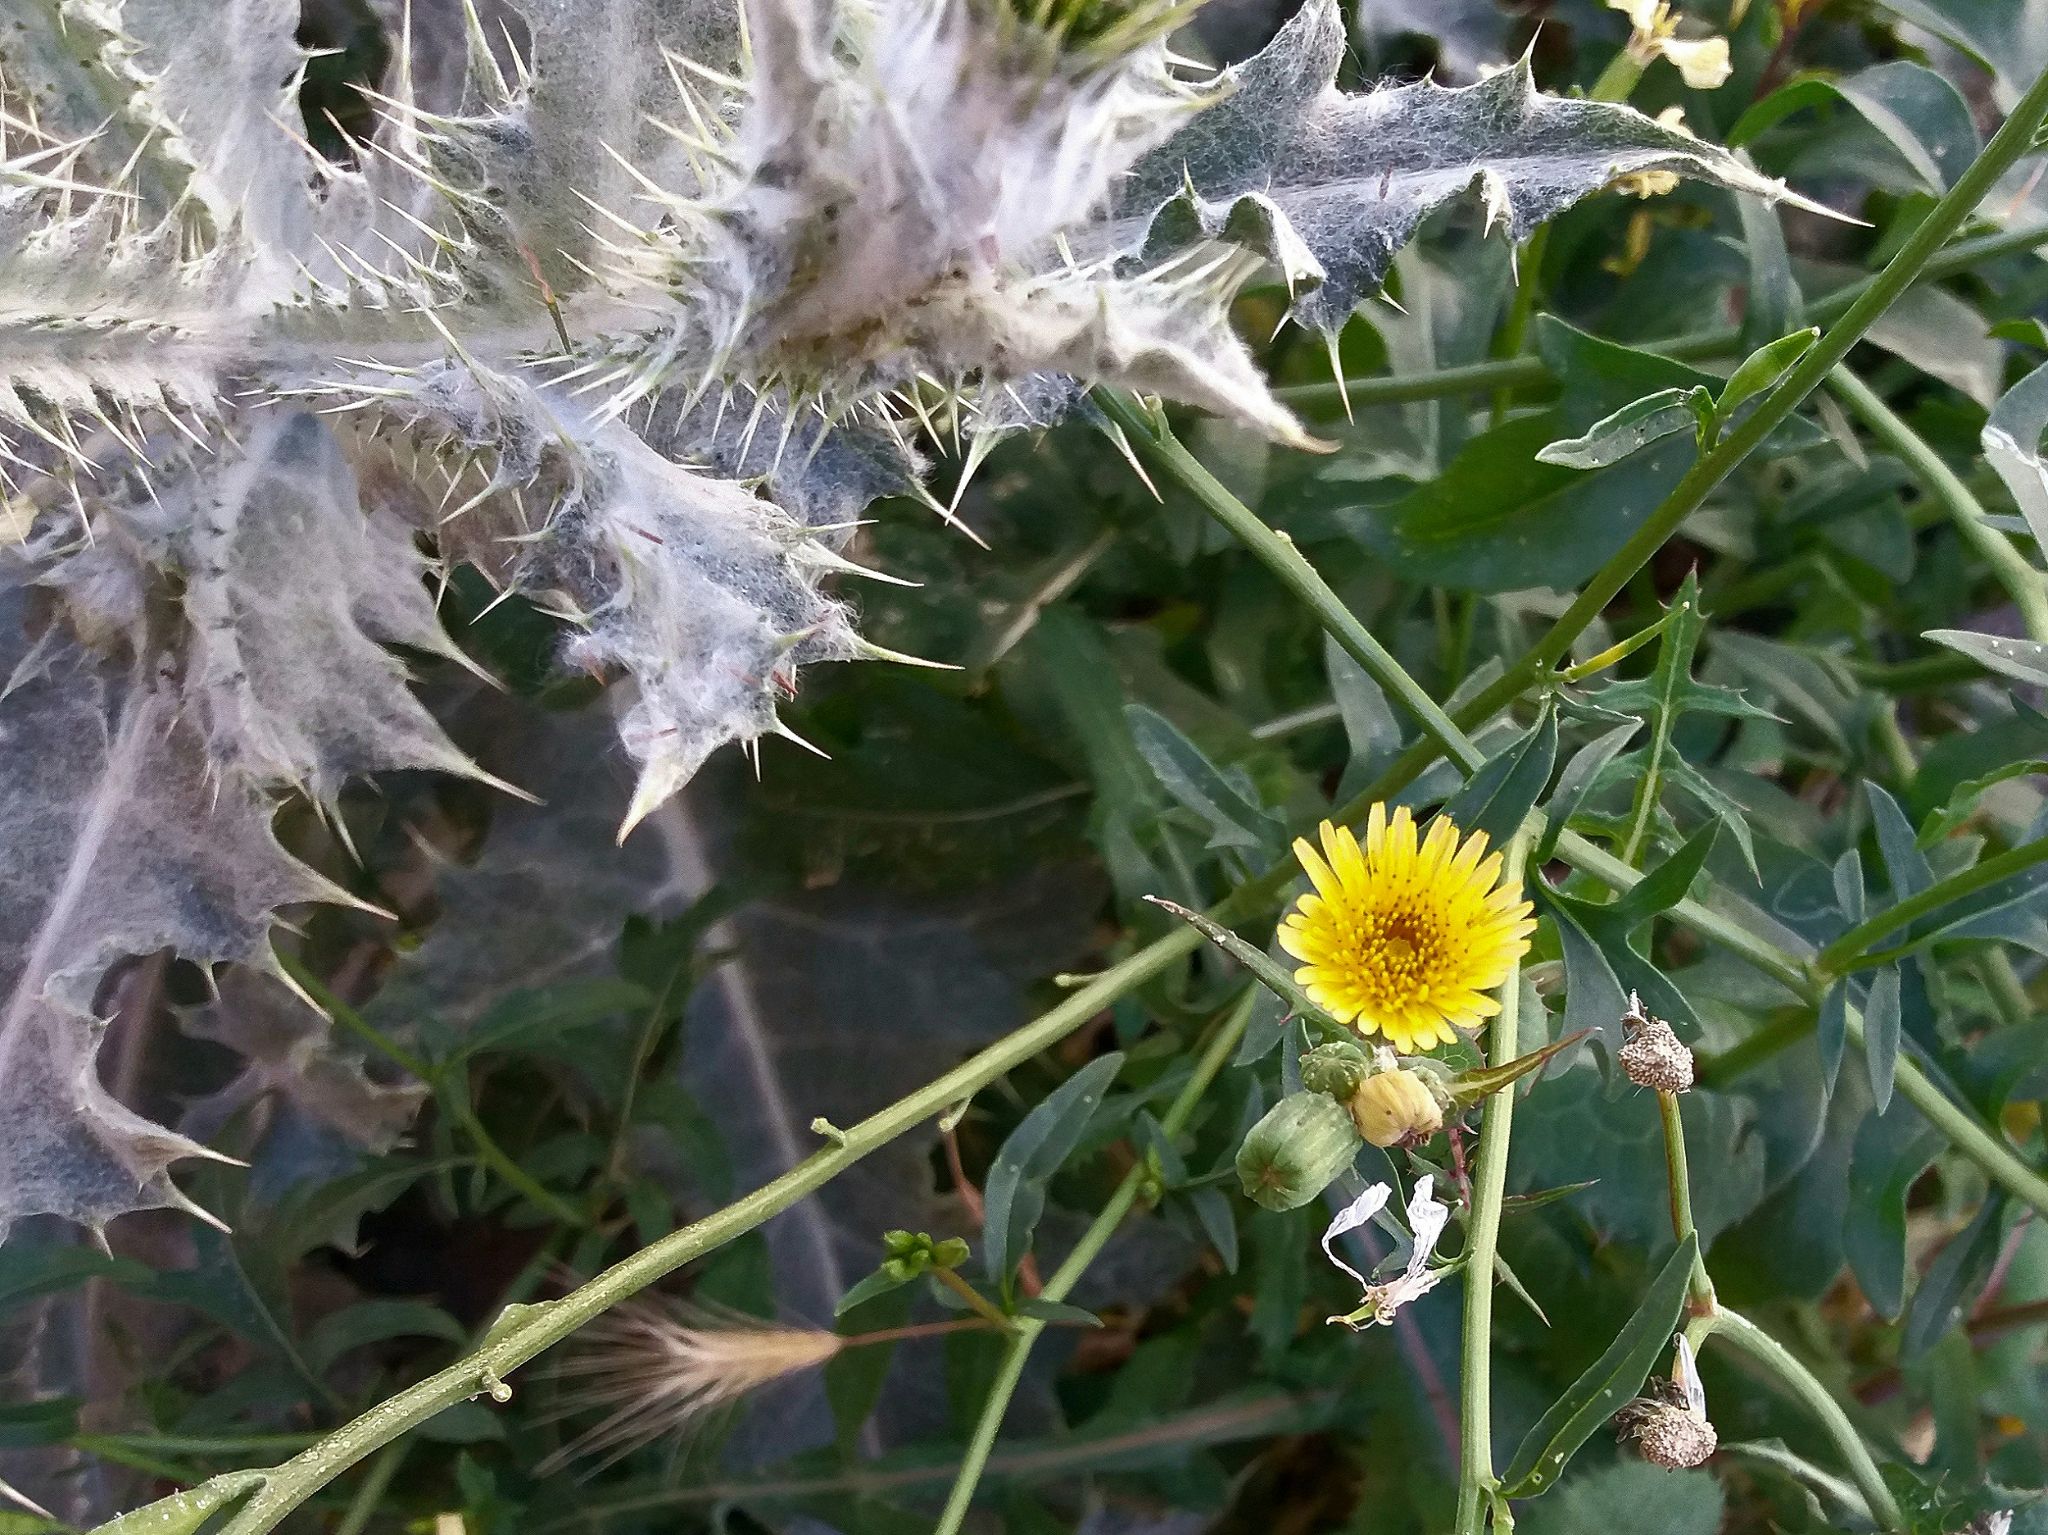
column 659, row 1368
column 1404, row 937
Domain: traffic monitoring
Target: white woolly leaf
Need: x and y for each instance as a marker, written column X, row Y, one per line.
column 120, row 841
column 1355, row 175
column 289, row 1052
column 293, row 591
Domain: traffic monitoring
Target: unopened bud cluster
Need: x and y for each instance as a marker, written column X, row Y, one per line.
column 1651, row 1054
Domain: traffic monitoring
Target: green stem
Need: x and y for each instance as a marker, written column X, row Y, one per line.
column 2021, row 581
column 1847, row 952
column 1060, row 1285
column 1681, row 1200
column 974, row 1300
column 1521, row 372
column 1489, row 1186
column 1818, row 1400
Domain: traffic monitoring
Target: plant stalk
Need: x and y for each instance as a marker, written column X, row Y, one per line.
column 1489, row 1187
column 1780, row 1362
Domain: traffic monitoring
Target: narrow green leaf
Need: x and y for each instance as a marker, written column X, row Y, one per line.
column 1629, row 430
column 2022, row 660
column 1226, row 807
column 1470, row 1087
column 1606, row 1387
column 1014, row 1196
column 880, row 1282
column 1501, row 793
column 1580, row 777
column 1881, row 1015
column 1761, row 369
column 1953, row 1278
column 1057, row 1312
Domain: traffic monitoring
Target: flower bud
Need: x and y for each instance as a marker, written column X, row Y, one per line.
column 1335, row 1069
column 1651, row 1054
column 1395, row 1108
column 1296, row 1151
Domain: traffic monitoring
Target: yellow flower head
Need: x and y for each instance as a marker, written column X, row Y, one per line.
column 1402, row 939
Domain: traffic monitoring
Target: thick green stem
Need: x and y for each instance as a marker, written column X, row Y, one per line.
column 1489, row 1187
column 1681, row 1199
column 1818, row 1400
column 1018, row 1349
column 2024, row 584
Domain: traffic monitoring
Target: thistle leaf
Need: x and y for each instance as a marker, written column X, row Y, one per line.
column 1354, row 175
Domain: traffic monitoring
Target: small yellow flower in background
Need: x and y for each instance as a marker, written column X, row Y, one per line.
column 1703, row 61
column 1651, row 183
column 1404, row 937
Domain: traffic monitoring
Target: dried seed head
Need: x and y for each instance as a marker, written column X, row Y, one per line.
column 1669, row 1424
column 1673, row 1438
column 1651, row 1054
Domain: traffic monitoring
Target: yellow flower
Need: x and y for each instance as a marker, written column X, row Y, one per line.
column 1405, row 940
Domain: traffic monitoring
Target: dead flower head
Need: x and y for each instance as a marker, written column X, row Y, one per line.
column 1669, row 1422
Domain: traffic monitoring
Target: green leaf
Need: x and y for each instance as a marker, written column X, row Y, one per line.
column 1630, row 429
column 2012, row 442
column 1058, row 1312
column 1580, row 777
column 1953, row 1278
column 1226, row 804
column 1219, row 1222
column 1014, row 1196
column 880, row 1282
column 1761, row 369
column 1615, row 1377
column 1469, row 1087
column 1627, row 1497
column 1881, row 1016
column 373, row 1321
column 1892, row 1150
column 1275, row 976
column 2022, row 660
column 1496, row 520
column 1502, row 791
column 1920, row 114
column 1297, row 1150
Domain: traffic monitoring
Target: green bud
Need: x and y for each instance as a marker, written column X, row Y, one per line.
column 1335, row 1069
column 911, row 1253
column 1297, row 1150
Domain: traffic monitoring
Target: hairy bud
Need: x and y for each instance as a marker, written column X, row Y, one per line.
column 1335, row 1069
column 1651, row 1054
column 1396, row 1108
